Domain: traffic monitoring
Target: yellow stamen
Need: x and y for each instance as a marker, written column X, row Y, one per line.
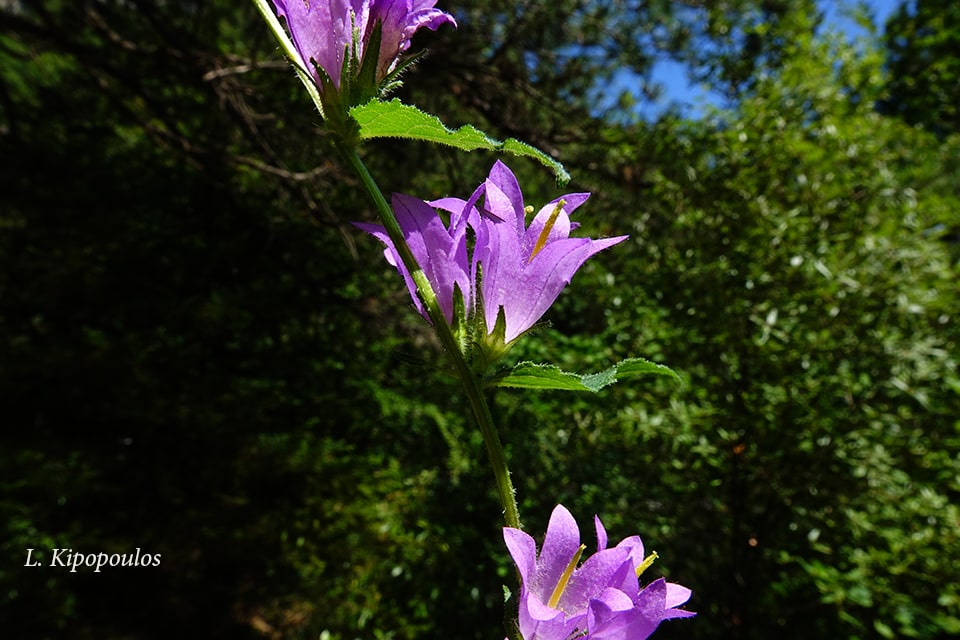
column 547, row 228
column 649, row 560
column 565, row 578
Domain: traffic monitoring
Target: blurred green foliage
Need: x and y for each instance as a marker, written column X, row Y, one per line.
column 922, row 38
column 201, row 358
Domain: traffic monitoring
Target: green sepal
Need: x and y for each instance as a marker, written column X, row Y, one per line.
column 392, row 80
column 529, row 375
column 334, row 107
column 460, row 326
column 490, row 347
column 364, row 86
column 393, row 119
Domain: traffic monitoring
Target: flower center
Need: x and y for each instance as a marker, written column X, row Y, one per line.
column 547, row 228
column 565, row 578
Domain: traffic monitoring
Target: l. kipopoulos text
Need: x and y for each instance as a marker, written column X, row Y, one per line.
column 74, row 560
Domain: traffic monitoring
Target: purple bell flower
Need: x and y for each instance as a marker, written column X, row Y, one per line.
column 323, row 31
column 524, row 268
column 599, row 599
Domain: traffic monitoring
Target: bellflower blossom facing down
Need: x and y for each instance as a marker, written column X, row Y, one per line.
column 600, row 599
column 323, row 31
column 524, row 268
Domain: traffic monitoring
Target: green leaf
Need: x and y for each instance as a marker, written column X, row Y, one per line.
column 529, row 375
column 393, row 119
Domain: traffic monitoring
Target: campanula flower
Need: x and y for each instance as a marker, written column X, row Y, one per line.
column 599, row 599
column 331, row 35
column 494, row 275
column 525, row 267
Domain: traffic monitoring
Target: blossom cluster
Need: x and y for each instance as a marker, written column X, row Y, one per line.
column 601, row 599
column 494, row 267
column 515, row 270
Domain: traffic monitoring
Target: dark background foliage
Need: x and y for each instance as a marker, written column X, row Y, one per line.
column 201, row 358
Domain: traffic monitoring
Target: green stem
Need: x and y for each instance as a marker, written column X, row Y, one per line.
column 471, row 384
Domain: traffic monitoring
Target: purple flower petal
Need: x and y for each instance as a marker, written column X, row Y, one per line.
column 540, row 622
column 560, row 544
column 676, row 596
column 462, row 213
column 625, row 579
column 523, row 550
column 652, row 599
column 667, row 595
column 609, row 619
column 507, row 203
column 401, row 19
column 635, row 544
column 613, row 600
column 440, row 252
column 601, row 533
column 592, row 577
column 321, row 32
column 526, row 291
